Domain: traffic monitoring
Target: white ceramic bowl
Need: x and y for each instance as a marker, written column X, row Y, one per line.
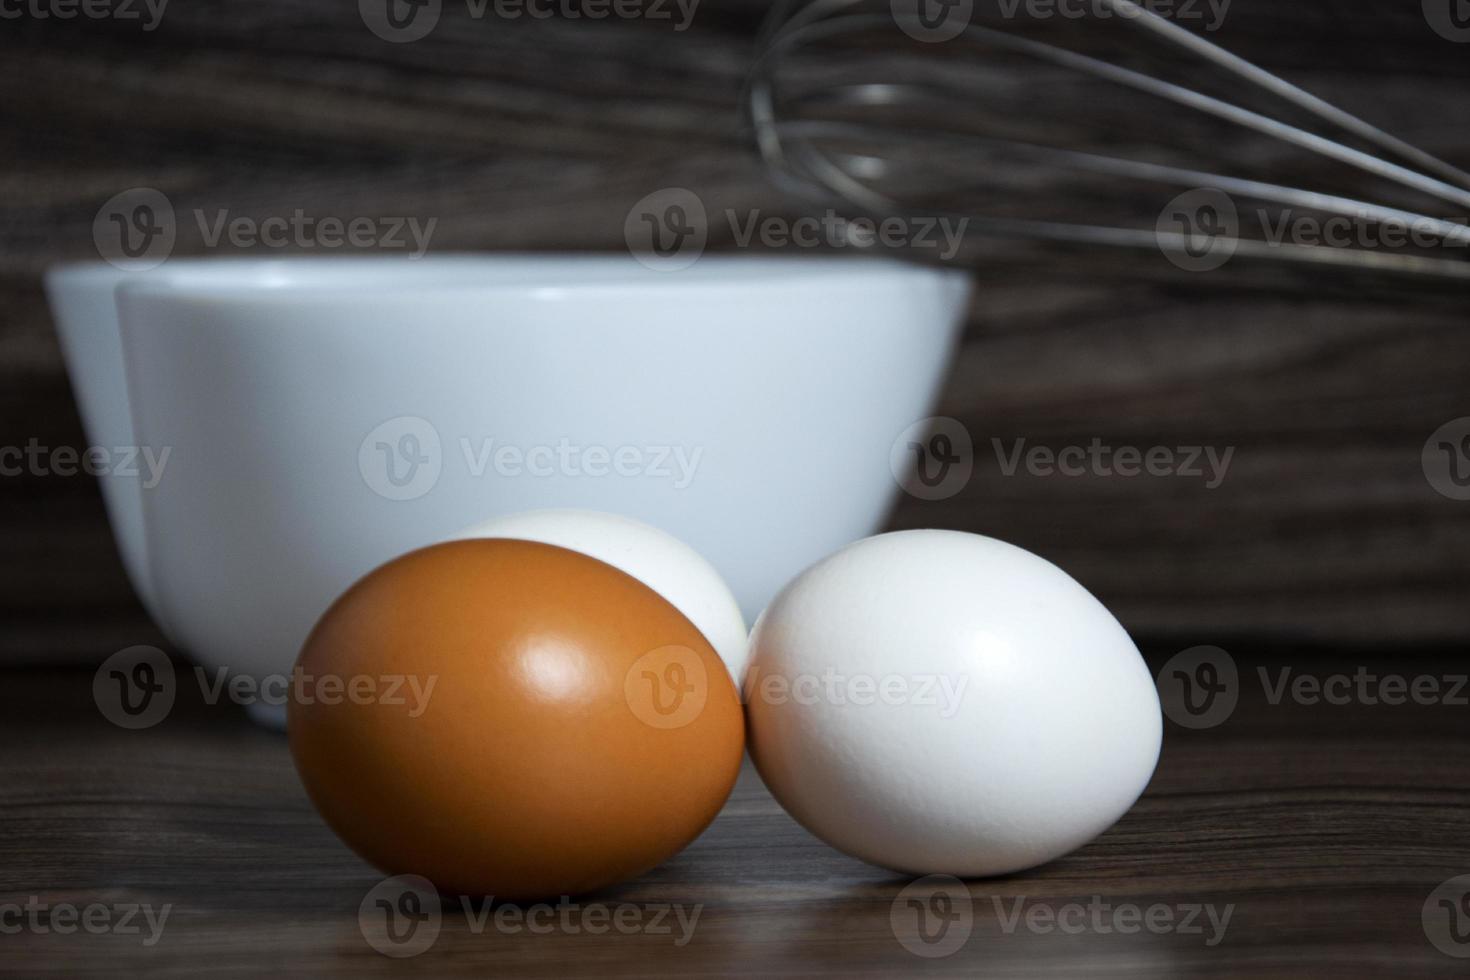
column 83, row 304
column 321, row 423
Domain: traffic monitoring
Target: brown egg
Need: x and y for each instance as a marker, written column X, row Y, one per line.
column 571, row 729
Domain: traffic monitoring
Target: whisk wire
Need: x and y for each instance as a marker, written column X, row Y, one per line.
column 1276, row 85
column 792, row 156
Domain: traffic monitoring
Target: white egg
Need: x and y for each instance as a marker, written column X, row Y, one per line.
column 656, row 558
column 944, row 703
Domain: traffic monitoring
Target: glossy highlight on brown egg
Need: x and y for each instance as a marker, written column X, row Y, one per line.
column 577, row 729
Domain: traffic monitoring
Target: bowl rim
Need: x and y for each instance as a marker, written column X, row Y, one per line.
column 543, row 275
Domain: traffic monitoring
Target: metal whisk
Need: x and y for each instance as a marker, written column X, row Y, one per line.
column 805, row 155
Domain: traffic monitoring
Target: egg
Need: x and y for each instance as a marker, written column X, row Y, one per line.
column 571, row 727
column 936, row 702
column 654, row 557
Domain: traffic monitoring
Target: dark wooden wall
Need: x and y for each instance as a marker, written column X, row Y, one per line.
column 542, row 134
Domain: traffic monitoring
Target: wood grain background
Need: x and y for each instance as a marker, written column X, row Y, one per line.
column 1326, row 827
column 542, row 134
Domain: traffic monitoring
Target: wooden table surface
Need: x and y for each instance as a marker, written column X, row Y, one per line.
column 1320, row 830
